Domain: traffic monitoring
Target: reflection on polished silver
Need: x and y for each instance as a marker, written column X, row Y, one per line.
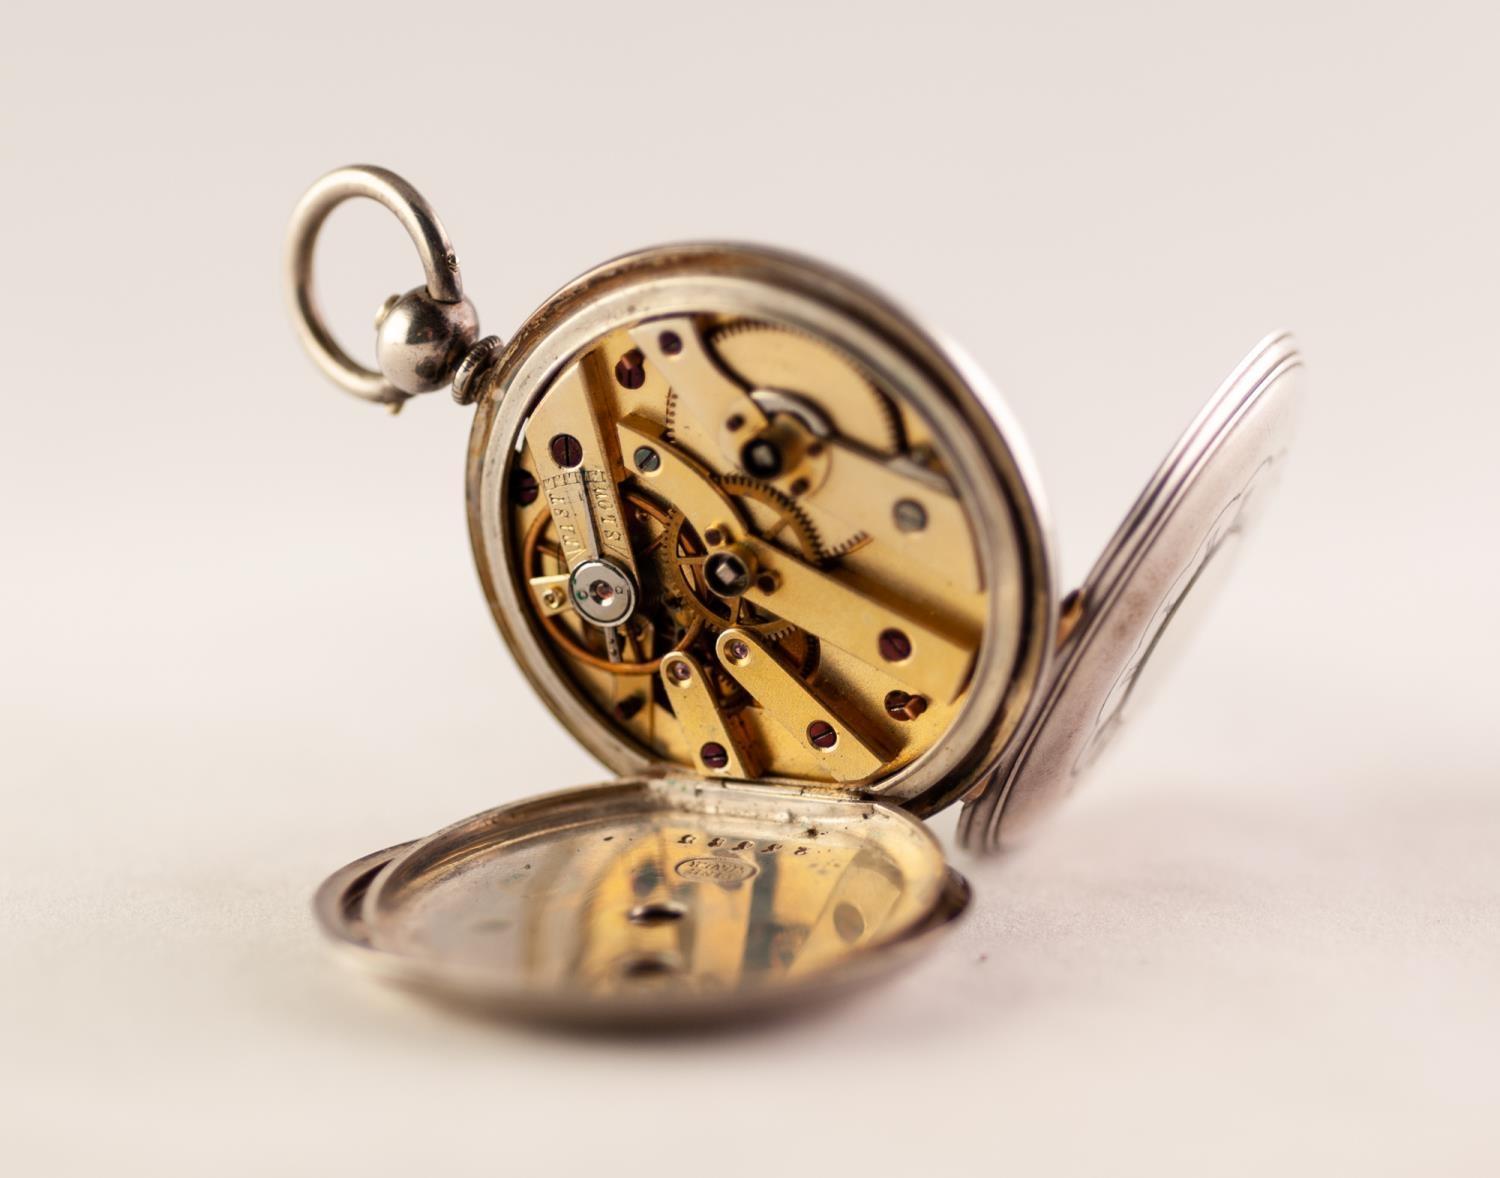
column 424, row 334
column 420, row 341
column 656, row 900
column 774, row 554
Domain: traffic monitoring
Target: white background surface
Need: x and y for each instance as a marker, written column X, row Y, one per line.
column 243, row 641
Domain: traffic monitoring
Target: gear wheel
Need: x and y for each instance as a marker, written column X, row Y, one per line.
column 770, row 356
column 784, row 514
column 772, row 515
column 685, row 553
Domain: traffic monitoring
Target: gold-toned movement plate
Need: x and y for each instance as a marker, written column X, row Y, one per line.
column 857, row 561
column 793, row 458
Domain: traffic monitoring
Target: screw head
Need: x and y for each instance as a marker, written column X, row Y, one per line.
column 630, row 369
column 714, row 755
column 821, row 735
column 679, row 671
column 910, row 515
column 713, row 537
column 901, row 706
column 671, row 342
column 895, row 646
column 646, row 459
column 566, row 451
column 737, row 650
column 761, row 458
column 524, row 488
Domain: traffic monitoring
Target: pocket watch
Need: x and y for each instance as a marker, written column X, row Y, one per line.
column 776, row 556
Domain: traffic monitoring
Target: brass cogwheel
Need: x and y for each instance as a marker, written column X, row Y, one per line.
column 688, row 598
column 770, row 356
column 772, row 514
column 786, row 514
column 686, row 590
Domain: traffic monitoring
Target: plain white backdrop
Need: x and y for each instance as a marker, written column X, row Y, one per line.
column 243, row 641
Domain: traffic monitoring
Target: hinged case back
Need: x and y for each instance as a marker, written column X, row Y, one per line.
column 1175, row 542
column 659, row 898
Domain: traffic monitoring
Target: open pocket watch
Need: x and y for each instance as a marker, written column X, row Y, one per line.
column 774, row 555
